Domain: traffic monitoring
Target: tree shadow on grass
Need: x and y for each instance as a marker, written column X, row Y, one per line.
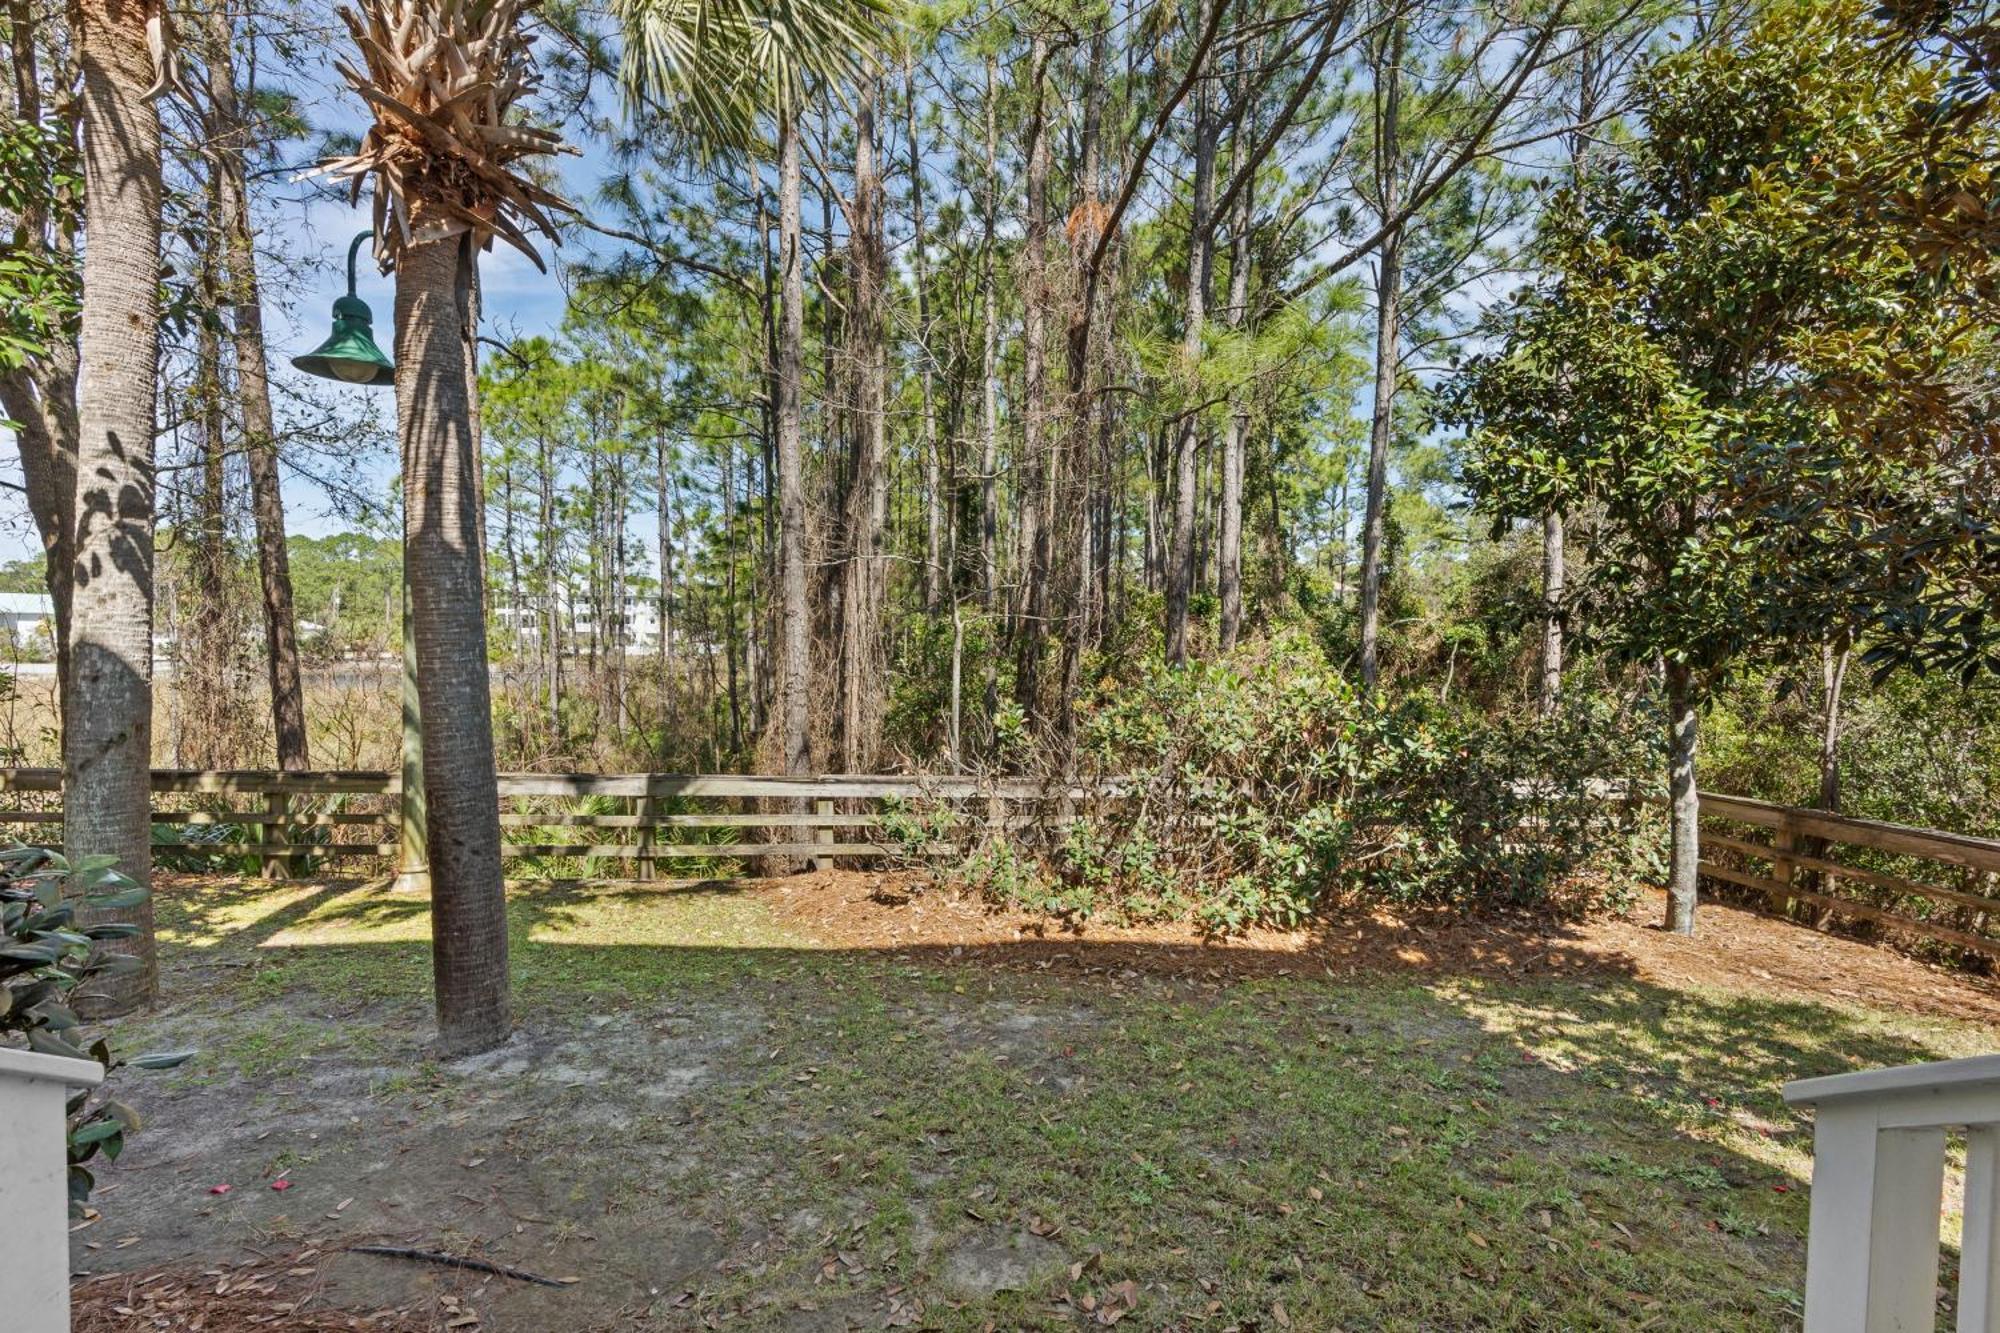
column 1503, row 1127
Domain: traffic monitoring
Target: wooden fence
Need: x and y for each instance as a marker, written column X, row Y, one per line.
column 286, row 820
column 1885, row 873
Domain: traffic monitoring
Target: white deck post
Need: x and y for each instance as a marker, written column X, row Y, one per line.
column 1877, row 1191
column 34, row 1190
column 1979, row 1261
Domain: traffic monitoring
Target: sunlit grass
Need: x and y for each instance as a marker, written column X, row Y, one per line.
column 1389, row 1153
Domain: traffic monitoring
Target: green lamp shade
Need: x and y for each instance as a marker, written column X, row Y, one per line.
column 350, row 354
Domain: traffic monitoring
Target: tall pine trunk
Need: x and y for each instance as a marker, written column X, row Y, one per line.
column 1388, row 336
column 253, row 391
column 795, row 614
column 1229, row 561
column 108, row 716
column 937, row 576
column 1833, row 680
column 863, row 596
column 989, row 403
column 435, row 410
column 1552, row 611
column 1035, row 463
column 1187, row 442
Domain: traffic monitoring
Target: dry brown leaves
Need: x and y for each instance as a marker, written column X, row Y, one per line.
column 262, row 1293
column 441, row 77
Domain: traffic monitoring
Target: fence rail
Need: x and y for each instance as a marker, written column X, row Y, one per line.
column 1800, row 872
column 1786, row 853
column 304, row 815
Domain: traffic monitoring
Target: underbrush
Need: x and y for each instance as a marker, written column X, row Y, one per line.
column 1264, row 789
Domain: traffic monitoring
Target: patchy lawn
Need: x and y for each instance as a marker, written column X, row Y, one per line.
column 836, row 1102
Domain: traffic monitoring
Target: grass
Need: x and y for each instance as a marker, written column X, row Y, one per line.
column 873, row 1132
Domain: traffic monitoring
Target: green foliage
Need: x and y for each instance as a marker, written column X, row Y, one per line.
column 1265, row 789
column 1707, row 363
column 349, row 583
column 39, row 292
column 45, row 955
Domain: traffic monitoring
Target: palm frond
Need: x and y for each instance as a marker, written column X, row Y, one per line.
column 717, row 66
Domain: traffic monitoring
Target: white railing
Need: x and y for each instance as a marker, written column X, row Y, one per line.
column 1877, row 1195
column 34, row 1189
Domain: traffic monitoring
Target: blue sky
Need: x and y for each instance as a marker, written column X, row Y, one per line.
column 302, row 241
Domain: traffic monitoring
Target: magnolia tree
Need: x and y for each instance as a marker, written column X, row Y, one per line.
column 1716, row 361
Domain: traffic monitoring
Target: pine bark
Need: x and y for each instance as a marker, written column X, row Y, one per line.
column 1552, row 612
column 1187, row 441
column 1388, row 337
column 864, row 592
column 1235, row 437
column 253, row 391
column 1684, row 800
column 795, row 614
column 989, row 402
column 1036, row 463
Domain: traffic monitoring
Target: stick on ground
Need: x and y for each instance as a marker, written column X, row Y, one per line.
column 460, row 1261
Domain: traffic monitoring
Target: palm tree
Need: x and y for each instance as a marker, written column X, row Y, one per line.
column 107, row 718
column 442, row 77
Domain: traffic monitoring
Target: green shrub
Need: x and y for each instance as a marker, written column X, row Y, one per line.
column 44, row 956
column 1264, row 789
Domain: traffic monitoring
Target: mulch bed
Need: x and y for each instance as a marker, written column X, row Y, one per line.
column 1735, row 950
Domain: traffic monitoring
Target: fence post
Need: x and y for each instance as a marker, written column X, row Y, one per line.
column 413, row 853
column 643, row 807
column 823, row 835
column 278, row 865
column 34, row 1193
column 1786, row 841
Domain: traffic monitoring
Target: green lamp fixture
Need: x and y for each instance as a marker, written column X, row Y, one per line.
column 350, row 354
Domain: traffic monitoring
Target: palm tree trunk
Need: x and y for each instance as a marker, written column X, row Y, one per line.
column 441, row 524
column 108, row 717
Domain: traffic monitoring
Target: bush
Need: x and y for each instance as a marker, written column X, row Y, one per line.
column 1265, row 789
column 44, row 956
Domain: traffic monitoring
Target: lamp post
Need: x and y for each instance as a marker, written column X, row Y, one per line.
column 350, row 356
column 349, row 353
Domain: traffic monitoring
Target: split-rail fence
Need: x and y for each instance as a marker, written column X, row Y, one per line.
column 1938, row 886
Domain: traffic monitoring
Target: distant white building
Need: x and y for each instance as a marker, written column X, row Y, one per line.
column 28, row 618
column 579, row 619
